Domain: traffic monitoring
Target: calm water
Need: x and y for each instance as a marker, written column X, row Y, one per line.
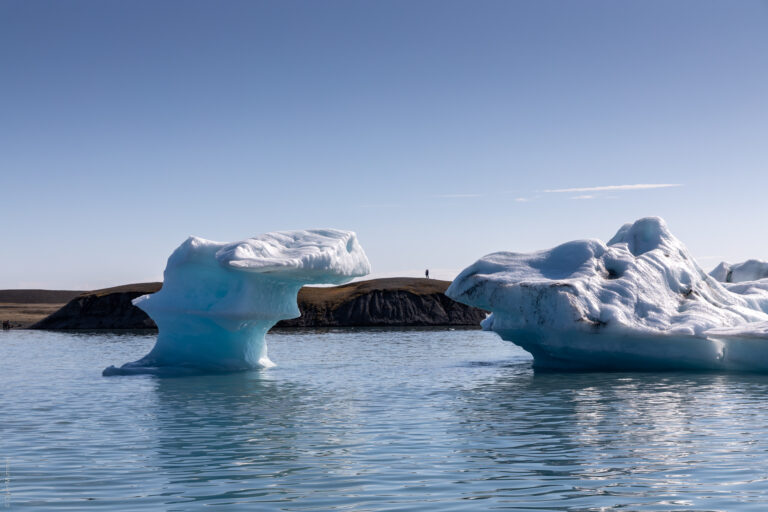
column 371, row 420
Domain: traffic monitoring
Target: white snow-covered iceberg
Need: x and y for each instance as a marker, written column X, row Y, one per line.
column 749, row 278
column 218, row 300
column 640, row 302
column 750, row 270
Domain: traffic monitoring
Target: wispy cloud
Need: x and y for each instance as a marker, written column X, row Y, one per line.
column 586, row 196
column 522, row 199
column 639, row 186
column 456, row 196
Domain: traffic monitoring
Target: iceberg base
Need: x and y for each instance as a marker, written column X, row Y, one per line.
column 584, row 351
column 192, row 345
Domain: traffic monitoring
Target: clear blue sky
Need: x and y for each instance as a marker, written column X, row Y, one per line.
column 434, row 129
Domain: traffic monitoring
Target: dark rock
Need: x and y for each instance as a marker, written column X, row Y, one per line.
column 382, row 302
column 110, row 308
column 378, row 302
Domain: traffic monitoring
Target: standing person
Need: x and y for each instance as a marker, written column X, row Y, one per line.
column 426, row 273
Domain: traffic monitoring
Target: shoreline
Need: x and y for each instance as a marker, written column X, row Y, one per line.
column 386, row 302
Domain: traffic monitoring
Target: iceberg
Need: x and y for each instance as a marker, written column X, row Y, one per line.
column 218, row 300
column 750, row 270
column 749, row 279
column 639, row 302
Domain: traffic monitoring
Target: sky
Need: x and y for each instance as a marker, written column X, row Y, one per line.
column 439, row 131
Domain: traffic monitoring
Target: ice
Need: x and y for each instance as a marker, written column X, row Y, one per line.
column 750, row 270
column 748, row 279
column 640, row 302
column 218, row 300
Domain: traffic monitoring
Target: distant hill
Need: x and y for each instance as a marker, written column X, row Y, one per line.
column 107, row 308
column 38, row 296
column 396, row 301
column 24, row 307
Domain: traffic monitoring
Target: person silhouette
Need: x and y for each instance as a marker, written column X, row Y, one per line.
column 426, row 273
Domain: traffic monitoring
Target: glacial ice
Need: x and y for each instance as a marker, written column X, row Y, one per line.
column 639, row 302
column 218, row 300
column 750, row 270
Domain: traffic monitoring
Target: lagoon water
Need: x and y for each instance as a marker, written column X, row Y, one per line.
column 371, row 419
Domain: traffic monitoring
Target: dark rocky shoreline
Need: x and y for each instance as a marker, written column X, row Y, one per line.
column 378, row 302
column 110, row 308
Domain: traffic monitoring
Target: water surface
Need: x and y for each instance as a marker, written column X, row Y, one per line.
column 371, row 420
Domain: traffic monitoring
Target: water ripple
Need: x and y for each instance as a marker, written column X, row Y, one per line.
column 372, row 420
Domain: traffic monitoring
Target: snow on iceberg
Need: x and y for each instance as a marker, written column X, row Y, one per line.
column 218, row 300
column 640, row 302
column 749, row 279
column 750, row 270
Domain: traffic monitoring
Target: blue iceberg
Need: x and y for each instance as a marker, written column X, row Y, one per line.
column 639, row 302
column 218, row 300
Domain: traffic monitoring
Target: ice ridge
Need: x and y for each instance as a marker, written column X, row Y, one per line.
column 638, row 302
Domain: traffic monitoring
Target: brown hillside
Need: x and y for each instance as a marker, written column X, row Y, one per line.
column 24, row 307
column 38, row 296
column 399, row 301
column 335, row 295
